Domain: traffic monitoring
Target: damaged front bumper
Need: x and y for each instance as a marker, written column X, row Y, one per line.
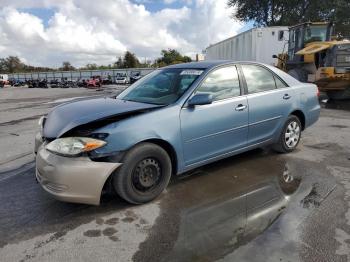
column 71, row 179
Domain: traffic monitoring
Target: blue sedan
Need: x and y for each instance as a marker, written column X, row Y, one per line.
column 175, row 119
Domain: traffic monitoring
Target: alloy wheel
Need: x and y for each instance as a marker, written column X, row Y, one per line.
column 292, row 134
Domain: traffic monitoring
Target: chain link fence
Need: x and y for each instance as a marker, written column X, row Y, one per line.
column 78, row 74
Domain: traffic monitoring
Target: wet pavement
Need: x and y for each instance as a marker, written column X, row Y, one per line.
column 257, row 206
column 21, row 109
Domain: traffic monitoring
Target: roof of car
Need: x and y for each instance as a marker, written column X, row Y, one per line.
column 201, row 64
column 213, row 63
column 210, row 64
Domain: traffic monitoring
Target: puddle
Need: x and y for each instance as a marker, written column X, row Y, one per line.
column 219, row 208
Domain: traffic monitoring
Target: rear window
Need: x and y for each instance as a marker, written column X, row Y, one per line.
column 259, row 79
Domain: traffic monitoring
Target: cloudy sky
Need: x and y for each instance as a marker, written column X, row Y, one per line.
column 47, row 32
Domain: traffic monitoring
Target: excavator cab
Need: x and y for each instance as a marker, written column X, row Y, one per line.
column 302, row 34
column 314, row 57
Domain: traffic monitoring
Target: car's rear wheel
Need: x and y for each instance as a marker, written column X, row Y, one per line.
column 144, row 175
column 290, row 135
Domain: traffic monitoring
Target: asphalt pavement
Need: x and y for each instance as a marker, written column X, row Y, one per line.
column 257, row 206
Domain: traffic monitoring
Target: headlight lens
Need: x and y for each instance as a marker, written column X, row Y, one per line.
column 41, row 122
column 74, row 146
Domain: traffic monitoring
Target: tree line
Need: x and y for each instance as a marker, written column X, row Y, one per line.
column 13, row 64
column 292, row 12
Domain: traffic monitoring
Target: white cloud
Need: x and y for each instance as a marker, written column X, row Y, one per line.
column 97, row 31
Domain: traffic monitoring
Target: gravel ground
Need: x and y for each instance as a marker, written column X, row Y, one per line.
column 238, row 209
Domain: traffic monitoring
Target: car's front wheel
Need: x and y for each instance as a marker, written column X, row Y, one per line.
column 290, row 135
column 144, row 175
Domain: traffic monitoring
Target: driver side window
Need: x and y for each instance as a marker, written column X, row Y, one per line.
column 223, row 83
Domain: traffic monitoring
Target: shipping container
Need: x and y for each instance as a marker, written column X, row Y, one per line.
column 257, row 44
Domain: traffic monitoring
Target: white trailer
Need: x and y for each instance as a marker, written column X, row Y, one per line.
column 257, row 44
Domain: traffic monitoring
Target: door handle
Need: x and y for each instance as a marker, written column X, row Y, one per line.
column 286, row 96
column 241, row 107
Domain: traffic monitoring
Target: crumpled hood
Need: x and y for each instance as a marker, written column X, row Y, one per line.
column 67, row 116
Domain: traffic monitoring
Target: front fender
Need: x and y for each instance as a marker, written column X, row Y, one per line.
column 163, row 125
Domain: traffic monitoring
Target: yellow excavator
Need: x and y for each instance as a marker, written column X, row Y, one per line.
column 314, row 56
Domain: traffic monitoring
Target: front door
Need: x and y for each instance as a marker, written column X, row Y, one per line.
column 211, row 130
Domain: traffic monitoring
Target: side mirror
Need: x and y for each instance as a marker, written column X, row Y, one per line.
column 200, row 99
column 274, row 56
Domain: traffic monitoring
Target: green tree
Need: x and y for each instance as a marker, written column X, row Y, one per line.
column 172, row 56
column 66, row 66
column 291, row 12
column 11, row 64
column 90, row 67
column 119, row 63
column 130, row 60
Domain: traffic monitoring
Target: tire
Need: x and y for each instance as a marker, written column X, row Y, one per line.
column 293, row 127
column 144, row 174
column 298, row 74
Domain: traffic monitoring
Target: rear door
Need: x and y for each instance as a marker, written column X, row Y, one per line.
column 211, row 130
column 270, row 102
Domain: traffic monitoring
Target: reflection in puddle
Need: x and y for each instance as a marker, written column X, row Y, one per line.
column 221, row 207
column 214, row 229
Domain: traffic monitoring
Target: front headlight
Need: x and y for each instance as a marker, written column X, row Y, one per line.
column 74, row 146
column 41, row 123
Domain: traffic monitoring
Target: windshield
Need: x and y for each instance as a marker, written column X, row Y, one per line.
column 161, row 87
column 316, row 34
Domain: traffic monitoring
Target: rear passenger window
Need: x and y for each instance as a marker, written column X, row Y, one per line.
column 258, row 78
column 221, row 84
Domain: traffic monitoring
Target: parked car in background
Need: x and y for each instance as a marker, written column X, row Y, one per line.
column 31, row 83
column 37, row 83
column 134, row 76
column 3, row 80
column 94, row 82
column 82, row 82
column 173, row 120
column 107, row 80
column 54, row 83
column 15, row 82
column 64, row 83
column 121, row 78
column 42, row 83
